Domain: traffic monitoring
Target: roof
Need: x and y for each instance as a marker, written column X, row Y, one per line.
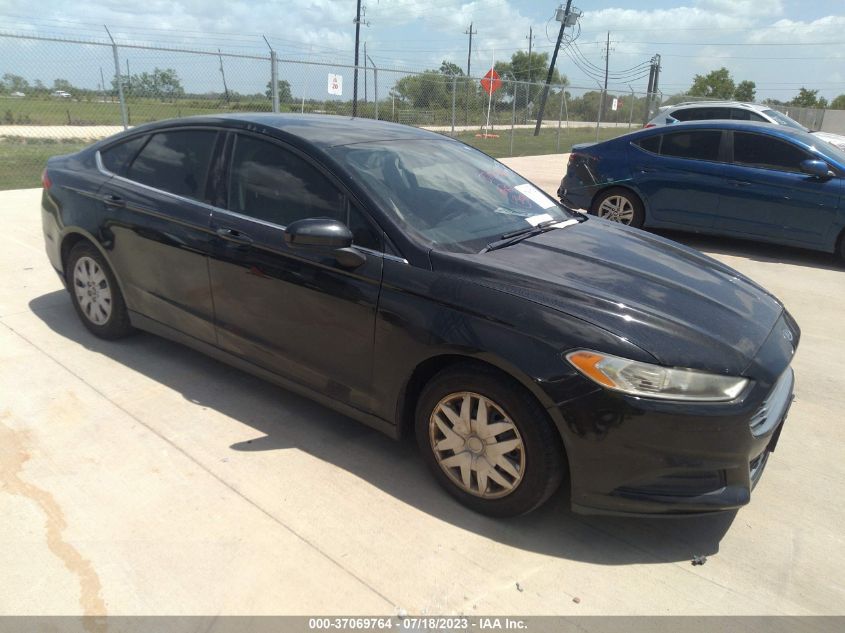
column 720, row 104
column 321, row 130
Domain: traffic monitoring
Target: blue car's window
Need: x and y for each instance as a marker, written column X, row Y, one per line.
column 175, row 161
column 758, row 150
column 700, row 145
column 650, row 144
column 447, row 194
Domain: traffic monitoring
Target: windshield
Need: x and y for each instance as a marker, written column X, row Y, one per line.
column 448, row 194
column 782, row 119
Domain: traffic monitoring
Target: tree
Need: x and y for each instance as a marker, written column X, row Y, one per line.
column 453, row 70
column 285, row 95
column 717, row 84
column 838, row 103
column 745, row 91
column 14, row 83
column 429, row 89
column 63, row 85
column 808, row 99
column 525, row 69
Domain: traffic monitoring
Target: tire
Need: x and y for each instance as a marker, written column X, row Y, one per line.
column 619, row 205
column 95, row 294
column 531, row 471
column 840, row 251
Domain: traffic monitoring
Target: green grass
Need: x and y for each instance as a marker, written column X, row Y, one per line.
column 22, row 161
column 69, row 112
column 526, row 144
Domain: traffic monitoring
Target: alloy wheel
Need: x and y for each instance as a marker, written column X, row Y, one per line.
column 616, row 209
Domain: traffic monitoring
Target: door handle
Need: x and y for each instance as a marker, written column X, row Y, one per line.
column 740, row 183
column 112, row 200
column 646, row 170
column 233, row 235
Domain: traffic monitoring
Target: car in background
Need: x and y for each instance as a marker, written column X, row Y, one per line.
column 17, row 94
column 420, row 286
column 735, row 111
column 61, row 94
column 748, row 180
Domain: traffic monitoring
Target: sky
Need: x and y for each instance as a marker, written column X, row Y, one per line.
column 781, row 45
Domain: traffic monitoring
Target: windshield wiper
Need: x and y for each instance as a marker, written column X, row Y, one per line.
column 517, row 236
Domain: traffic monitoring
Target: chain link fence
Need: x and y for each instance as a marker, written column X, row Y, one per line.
column 57, row 95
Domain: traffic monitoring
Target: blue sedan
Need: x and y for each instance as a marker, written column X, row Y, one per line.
column 749, row 180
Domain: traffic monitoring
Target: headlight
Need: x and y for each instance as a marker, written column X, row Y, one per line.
column 654, row 381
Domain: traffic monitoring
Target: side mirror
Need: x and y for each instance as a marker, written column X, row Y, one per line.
column 325, row 234
column 318, row 233
column 816, row 168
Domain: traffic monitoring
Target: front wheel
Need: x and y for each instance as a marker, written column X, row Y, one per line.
column 619, row 205
column 488, row 442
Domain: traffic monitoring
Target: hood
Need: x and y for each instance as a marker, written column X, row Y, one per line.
column 682, row 307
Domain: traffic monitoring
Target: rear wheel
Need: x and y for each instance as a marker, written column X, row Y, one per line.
column 95, row 293
column 619, row 205
column 488, row 442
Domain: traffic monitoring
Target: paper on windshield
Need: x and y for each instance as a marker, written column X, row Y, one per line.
column 535, row 195
column 534, row 220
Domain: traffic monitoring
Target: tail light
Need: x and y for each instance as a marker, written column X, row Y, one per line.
column 573, row 157
column 648, row 125
column 45, row 180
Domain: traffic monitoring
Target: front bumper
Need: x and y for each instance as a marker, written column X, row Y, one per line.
column 635, row 456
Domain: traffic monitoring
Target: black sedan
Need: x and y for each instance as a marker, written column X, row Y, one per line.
column 421, row 287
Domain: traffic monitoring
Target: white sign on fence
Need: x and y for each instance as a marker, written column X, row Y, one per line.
column 335, row 84
column 615, row 104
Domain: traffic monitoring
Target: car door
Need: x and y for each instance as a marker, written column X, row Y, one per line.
column 769, row 196
column 159, row 234
column 679, row 176
column 296, row 312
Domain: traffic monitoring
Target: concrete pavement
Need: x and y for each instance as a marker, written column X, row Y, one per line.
column 139, row 477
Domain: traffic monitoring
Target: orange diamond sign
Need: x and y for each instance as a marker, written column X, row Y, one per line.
column 491, row 82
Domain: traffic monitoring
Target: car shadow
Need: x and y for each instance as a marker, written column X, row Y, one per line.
column 284, row 420
column 756, row 251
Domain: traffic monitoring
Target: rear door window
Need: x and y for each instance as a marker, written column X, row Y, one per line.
column 698, row 145
column 176, row 162
column 766, row 152
column 116, row 158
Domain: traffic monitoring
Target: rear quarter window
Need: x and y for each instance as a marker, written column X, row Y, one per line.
column 650, row 144
column 175, row 161
column 117, row 158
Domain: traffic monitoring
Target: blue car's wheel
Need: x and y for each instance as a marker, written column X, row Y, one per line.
column 619, row 205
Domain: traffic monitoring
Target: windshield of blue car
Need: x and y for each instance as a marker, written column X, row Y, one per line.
column 782, row 119
column 447, row 194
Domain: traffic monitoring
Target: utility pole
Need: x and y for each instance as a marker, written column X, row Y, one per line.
column 469, row 32
column 649, row 91
column 365, row 72
column 656, row 73
column 528, row 87
column 355, row 80
column 606, row 68
column 223, row 73
column 545, row 94
column 102, row 83
column 128, row 76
